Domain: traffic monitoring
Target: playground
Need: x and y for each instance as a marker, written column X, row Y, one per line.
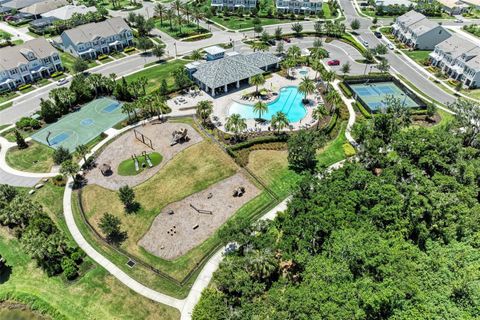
column 82, row 126
column 122, row 162
column 185, row 224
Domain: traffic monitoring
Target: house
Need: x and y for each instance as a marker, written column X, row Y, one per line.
column 89, row 40
column 418, row 32
column 458, row 58
column 393, row 5
column 299, row 6
column 41, row 25
column 232, row 71
column 66, row 12
column 214, row 53
column 234, row 4
column 27, row 62
column 39, row 8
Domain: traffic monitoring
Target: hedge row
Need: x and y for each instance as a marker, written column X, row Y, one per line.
column 370, row 76
column 197, row 37
column 363, row 111
column 252, row 142
column 346, row 91
column 331, row 124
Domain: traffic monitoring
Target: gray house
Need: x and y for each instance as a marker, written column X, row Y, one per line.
column 89, row 40
column 221, row 75
column 28, row 62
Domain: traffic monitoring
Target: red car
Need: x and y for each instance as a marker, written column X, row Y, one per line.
column 334, row 62
column 287, row 40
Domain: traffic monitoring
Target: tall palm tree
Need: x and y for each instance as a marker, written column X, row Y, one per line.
column 261, row 264
column 198, row 15
column 319, row 113
column 289, row 63
column 257, row 80
column 294, row 52
column 260, row 108
column 196, row 55
column 204, row 109
column 236, row 124
column 280, row 121
column 160, row 11
column 307, row 86
column 177, row 4
column 170, row 15
column 82, row 151
column 333, row 99
column 142, row 82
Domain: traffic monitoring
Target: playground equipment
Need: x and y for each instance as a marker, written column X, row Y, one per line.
column 200, row 210
column 135, row 161
column 106, row 169
column 238, row 192
column 147, row 159
column 143, row 139
column 179, row 136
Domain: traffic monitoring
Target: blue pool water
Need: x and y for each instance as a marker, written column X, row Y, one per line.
column 289, row 101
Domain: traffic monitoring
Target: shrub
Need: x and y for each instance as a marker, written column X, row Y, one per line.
column 61, row 155
column 57, row 74
column 59, row 180
column 26, row 123
column 69, row 268
column 198, row 37
column 102, row 57
column 346, row 91
column 363, row 111
column 331, row 124
column 128, row 49
column 348, row 150
column 25, row 86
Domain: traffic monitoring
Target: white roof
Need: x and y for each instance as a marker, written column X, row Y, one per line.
column 472, row 2
column 66, row 12
column 405, row 3
column 214, row 50
column 452, row 3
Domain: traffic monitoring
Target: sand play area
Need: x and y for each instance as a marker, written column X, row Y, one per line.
column 126, row 145
column 180, row 227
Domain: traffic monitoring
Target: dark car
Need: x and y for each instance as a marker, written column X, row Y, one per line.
column 378, row 34
column 271, row 42
column 287, row 40
column 333, row 62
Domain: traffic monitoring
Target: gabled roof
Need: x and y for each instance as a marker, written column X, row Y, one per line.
column 12, row 57
column 230, row 69
column 44, row 6
column 91, row 31
column 423, row 26
column 474, row 63
column 19, row 4
column 410, row 17
column 456, row 45
column 66, row 12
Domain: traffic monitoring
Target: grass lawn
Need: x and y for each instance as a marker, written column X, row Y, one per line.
column 418, row 55
column 96, row 295
column 4, row 97
column 106, row 60
column 36, row 158
column 333, row 150
column 6, row 105
column 127, row 167
column 327, row 13
column 186, row 30
column 236, row 23
column 67, row 60
column 157, row 73
column 191, row 171
column 473, row 93
column 118, row 55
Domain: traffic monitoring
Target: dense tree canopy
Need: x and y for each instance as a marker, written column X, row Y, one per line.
column 394, row 238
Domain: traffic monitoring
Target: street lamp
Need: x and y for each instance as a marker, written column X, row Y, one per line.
column 175, row 45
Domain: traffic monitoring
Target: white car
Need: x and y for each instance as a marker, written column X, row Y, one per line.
column 61, row 82
column 365, row 43
column 458, row 20
column 390, row 46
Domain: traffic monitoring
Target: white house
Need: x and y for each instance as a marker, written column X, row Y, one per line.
column 27, row 62
column 417, row 32
column 459, row 59
column 299, row 6
column 89, row 40
column 233, row 4
column 66, row 12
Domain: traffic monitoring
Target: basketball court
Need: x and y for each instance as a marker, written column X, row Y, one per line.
column 82, row 126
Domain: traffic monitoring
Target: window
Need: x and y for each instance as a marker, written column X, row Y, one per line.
column 13, row 71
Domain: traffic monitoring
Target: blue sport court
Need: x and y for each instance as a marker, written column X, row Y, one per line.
column 374, row 94
column 82, row 126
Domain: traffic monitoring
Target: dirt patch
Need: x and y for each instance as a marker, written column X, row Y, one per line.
column 173, row 235
column 126, row 145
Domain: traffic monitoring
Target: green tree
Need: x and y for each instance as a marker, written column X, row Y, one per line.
column 297, row 28
column 127, row 196
column 355, row 24
column 158, row 51
column 306, row 86
column 144, row 44
column 257, row 29
column 196, row 55
column 278, row 33
column 21, row 144
column 257, row 80
column 345, row 68
column 111, row 228
column 319, row 113
column 383, row 66
column 236, row 124
column 60, row 155
column 79, row 65
column 69, row 167
column 82, row 150
column 204, row 110
column 280, row 121
column 260, row 108
column 302, row 152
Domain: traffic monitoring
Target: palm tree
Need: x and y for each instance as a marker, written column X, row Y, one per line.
column 280, row 121
column 196, row 55
column 319, row 113
column 289, row 63
column 259, row 46
column 198, row 15
column 204, row 109
column 160, row 11
column 307, row 86
column 261, row 265
column 82, row 151
column 257, row 80
column 236, row 124
column 294, row 52
column 94, row 81
column 333, row 99
column 260, row 108
column 170, row 15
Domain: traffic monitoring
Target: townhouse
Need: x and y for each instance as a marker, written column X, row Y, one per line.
column 27, row 62
column 299, row 6
column 417, row 32
column 234, row 4
column 459, row 59
column 92, row 39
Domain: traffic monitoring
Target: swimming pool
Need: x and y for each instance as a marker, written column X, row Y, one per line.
column 289, row 101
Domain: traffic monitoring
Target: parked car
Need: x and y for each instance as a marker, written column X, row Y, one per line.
column 365, row 43
column 333, row 62
column 61, row 82
column 271, row 42
column 287, row 40
column 458, row 21
column 390, row 46
column 378, row 34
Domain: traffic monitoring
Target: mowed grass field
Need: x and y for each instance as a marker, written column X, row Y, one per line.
column 192, row 170
column 156, row 74
column 36, row 158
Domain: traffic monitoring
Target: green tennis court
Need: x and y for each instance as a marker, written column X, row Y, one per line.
column 82, row 126
column 374, row 94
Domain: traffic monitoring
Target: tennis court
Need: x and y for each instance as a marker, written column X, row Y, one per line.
column 82, row 126
column 374, row 94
